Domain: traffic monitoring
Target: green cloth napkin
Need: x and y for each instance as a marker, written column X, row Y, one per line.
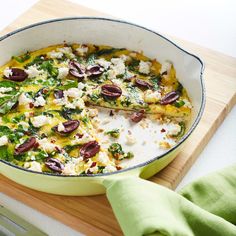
column 206, row 207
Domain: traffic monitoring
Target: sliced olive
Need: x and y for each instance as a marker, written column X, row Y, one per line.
column 54, row 164
column 58, row 94
column 94, row 70
column 169, row 98
column 69, row 126
column 111, row 91
column 137, row 116
column 76, row 70
column 26, row 146
column 89, row 149
column 143, row 84
column 17, row 75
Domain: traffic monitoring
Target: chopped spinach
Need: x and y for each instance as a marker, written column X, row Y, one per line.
column 6, row 153
column 68, row 84
column 107, row 51
column 22, row 58
column 48, row 66
column 8, row 101
column 116, row 150
column 179, row 88
column 115, row 133
column 179, row 103
column 126, row 101
column 156, row 81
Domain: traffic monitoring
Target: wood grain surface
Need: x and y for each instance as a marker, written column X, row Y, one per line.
column 93, row 215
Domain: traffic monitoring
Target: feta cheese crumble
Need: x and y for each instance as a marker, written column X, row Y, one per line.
column 61, row 127
column 152, row 96
column 104, row 63
column 54, row 54
column 46, row 145
column 144, row 67
column 3, row 140
column 39, row 101
column 33, row 71
column 82, row 50
column 166, row 66
column 109, row 169
column 33, row 165
column 24, row 100
column 41, row 120
column 130, row 139
column 62, row 72
column 7, row 72
column 173, row 129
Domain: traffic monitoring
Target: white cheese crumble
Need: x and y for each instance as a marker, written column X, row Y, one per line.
column 46, row 145
column 173, row 129
column 81, row 86
column 33, row 71
column 7, row 72
column 130, row 139
column 109, row 169
column 118, row 66
column 24, row 100
column 4, row 90
column 187, row 103
column 103, row 158
column 39, row 101
column 73, row 93
column 82, row 50
column 61, row 127
column 104, row 63
column 85, row 138
column 67, row 51
column 33, row 165
column 3, row 140
column 41, row 120
column 152, row 97
column 124, row 57
column 144, row 67
column 166, row 66
column 25, row 125
column 69, row 169
column 54, row 54
column 62, row 72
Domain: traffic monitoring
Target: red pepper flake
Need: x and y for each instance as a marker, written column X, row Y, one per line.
column 118, row 167
column 31, row 105
column 58, row 149
column 163, row 130
column 53, row 140
column 93, row 164
column 79, row 135
column 111, row 113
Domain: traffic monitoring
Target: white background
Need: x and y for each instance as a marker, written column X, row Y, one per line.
column 208, row 23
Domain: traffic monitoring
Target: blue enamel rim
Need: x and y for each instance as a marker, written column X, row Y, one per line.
column 195, row 123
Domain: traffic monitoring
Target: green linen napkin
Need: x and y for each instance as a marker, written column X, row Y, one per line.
column 206, row 207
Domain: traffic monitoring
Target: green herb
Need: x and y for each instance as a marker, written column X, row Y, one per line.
column 100, row 169
column 107, row 51
column 6, row 153
column 94, row 97
column 8, row 84
column 48, row 66
column 116, row 150
column 115, row 133
column 68, row 84
column 126, row 101
column 179, row 88
column 128, row 155
column 85, row 119
column 155, row 81
column 36, row 61
column 133, row 65
column 182, row 130
column 8, row 101
column 91, row 59
column 179, row 103
column 41, row 156
column 67, row 112
column 18, row 118
column 22, row 58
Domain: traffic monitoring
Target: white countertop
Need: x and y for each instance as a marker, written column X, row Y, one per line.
column 207, row 23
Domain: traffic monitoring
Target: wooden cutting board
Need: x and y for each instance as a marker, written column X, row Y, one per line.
column 93, row 215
